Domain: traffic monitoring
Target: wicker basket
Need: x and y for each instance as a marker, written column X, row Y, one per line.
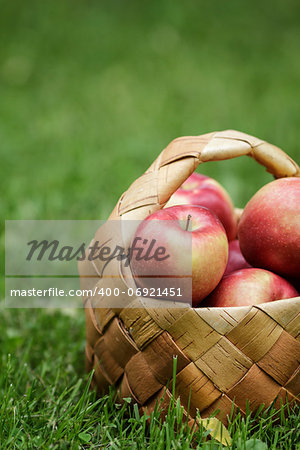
column 225, row 356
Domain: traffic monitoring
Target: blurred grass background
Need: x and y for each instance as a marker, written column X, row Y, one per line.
column 91, row 92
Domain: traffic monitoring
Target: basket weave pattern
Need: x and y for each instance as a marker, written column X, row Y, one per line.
column 225, row 355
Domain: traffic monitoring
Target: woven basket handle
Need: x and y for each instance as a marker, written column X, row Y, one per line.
column 182, row 156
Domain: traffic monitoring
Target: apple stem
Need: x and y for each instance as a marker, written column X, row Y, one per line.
column 188, row 222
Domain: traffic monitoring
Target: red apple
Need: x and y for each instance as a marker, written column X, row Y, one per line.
column 269, row 228
column 196, row 243
column 236, row 260
column 250, row 287
column 205, row 191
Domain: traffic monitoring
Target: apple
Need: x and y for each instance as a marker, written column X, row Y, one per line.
column 236, row 260
column 269, row 228
column 247, row 287
column 196, row 245
column 205, row 191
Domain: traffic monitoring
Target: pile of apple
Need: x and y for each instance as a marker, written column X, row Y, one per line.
column 234, row 261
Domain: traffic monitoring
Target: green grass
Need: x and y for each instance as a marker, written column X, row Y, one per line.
column 45, row 401
column 90, row 92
